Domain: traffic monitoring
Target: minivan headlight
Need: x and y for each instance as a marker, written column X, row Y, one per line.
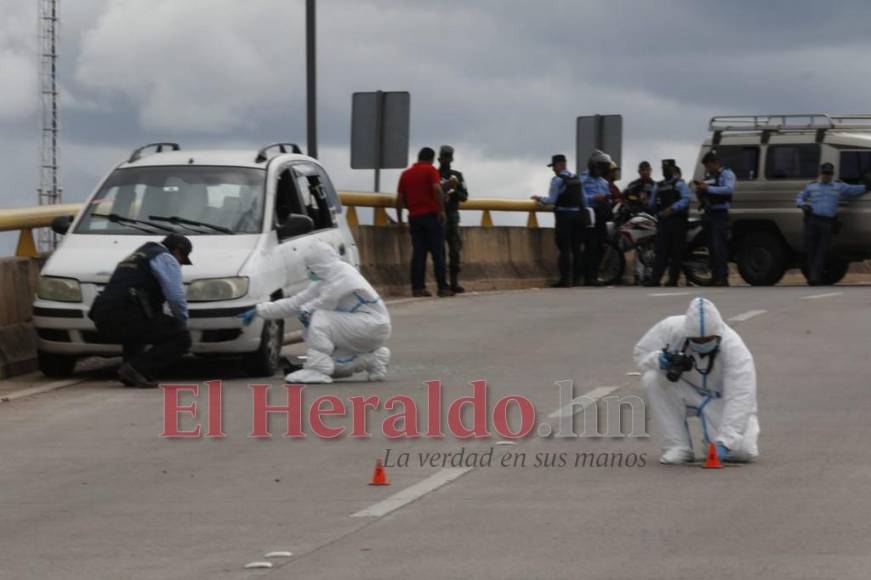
column 58, row 289
column 214, row 289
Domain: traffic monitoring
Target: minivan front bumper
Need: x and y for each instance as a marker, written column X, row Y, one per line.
column 64, row 328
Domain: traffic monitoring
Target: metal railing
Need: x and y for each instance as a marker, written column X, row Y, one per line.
column 27, row 219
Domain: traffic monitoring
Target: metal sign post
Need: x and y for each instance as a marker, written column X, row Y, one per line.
column 603, row 132
column 380, row 131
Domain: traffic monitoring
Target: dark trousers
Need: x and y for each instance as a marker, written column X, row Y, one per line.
column 817, row 239
column 594, row 246
column 671, row 235
column 427, row 236
column 718, row 240
column 455, row 245
column 569, row 237
column 168, row 338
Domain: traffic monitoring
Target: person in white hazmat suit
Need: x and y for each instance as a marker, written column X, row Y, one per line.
column 719, row 388
column 346, row 321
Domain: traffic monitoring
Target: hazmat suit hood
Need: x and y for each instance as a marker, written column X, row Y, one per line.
column 703, row 319
column 323, row 260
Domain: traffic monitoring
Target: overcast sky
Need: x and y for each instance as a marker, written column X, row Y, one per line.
column 501, row 80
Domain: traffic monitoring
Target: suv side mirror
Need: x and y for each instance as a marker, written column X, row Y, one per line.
column 295, row 225
column 61, row 224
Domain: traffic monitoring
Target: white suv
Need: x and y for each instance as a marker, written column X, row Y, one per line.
column 250, row 216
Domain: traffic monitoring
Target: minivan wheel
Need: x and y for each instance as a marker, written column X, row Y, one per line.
column 833, row 273
column 55, row 366
column 761, row 258
column 265, row 361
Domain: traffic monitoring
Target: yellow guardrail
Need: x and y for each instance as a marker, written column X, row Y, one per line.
column 26, row 219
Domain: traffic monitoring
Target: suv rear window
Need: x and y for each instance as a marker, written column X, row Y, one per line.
column 744, row 161
column 792, row 162
column 854, row 164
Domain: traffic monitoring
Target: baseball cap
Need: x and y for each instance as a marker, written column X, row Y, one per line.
column 181, row 243
column 827, row 168
column 446, row 151
column 557, row 159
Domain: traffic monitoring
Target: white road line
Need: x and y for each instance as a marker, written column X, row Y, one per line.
column 578, row 404
column 38, row 390
column 663, row 294
column 412, row 493
column 747, row 315
column 815, row 296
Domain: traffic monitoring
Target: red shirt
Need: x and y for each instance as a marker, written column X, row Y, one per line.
column 416, row 183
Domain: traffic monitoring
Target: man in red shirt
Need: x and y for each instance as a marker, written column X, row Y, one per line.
column 420, row 191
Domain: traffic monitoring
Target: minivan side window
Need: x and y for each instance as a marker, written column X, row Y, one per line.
column 286, row 198
column 314, row 197
column 854, row 164
column 332, row 195
column 792, row 161
column 743, row 160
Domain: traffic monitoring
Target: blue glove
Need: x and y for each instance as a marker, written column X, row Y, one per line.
column 305, row 317
column 722, row 452
column 663, row 361
column 247, row 316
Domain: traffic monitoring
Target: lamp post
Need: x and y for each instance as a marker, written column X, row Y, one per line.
column 311, row 79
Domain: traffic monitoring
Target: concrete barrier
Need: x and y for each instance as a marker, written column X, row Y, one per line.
column 493, row 258
column 17, row 338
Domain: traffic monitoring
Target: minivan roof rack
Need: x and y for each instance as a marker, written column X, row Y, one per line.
column 261, row 155
column 789, row 122
column 137, row 153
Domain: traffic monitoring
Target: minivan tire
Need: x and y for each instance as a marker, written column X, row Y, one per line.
column 762, row 258
column 266, row 360
column 55, row 366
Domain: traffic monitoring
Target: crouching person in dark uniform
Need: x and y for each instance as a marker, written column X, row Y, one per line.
column 670, row 201
column 129, row 311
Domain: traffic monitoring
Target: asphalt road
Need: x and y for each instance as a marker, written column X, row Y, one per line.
column 89, row 488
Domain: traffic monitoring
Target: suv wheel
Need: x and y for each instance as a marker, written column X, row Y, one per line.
column 264, row 362
column 55, row 366
column 761, row 258
column 833, row 273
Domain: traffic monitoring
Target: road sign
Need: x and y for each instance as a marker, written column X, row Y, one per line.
column 604, row 132
column 380, row 131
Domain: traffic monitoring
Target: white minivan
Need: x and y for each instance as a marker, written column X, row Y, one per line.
column 250, row 216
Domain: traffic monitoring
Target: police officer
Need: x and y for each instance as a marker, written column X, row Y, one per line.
column 454, row 188
column 715, row 196
column 129, row 310
column 637, row 194
column 670, row 201
column 597, row 196
column 568, row 208
column 819, row 201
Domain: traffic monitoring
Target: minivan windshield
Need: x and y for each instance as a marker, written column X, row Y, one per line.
column 187, row 199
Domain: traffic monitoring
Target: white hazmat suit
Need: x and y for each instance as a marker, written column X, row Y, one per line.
column 720, row 389
column 347, row 322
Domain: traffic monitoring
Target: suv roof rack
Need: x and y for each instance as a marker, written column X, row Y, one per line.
column 137, row 153
column 261, row 155
column 800, row 122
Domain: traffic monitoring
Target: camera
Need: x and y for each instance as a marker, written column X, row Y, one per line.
column 678, row 364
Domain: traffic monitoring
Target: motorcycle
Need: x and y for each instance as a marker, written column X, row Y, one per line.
column 635, row 229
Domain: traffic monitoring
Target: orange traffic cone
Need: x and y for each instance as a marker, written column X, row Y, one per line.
column 712, row 461
column 380, row 475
